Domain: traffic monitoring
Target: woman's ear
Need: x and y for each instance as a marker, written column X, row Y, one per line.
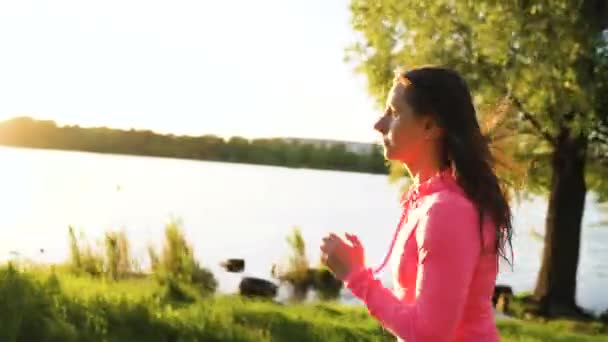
column 432, row 130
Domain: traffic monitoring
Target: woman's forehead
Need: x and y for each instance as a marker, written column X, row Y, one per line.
column 396, row 96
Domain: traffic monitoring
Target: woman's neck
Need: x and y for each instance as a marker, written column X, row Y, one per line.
column 422, row 171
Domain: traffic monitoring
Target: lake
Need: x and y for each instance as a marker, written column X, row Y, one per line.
column 238, row 211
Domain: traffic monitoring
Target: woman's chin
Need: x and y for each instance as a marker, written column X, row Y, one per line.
column 388, row 155
column 392, row 156
column 393, row 153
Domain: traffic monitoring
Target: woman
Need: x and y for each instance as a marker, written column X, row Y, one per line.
column 456, row 220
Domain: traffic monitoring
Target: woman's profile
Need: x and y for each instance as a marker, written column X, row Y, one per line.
column 456, row 220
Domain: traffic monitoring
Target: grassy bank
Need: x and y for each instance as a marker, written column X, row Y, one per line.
column 38, row 306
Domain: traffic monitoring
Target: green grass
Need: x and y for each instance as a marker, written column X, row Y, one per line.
column 85, row 286
column 88, row 287
column 554, row 331
column 74, row 308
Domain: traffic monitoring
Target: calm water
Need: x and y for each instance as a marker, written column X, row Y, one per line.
column 235, row 210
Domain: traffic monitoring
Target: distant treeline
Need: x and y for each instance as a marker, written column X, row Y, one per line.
column 28, row 132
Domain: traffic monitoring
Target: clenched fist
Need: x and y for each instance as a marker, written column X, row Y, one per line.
column 340, row 256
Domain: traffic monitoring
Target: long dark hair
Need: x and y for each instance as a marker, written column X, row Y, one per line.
column 443, row 93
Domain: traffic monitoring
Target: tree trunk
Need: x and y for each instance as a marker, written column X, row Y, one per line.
column 556, row 282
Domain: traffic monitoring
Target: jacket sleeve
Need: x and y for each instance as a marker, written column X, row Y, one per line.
column 448, row 249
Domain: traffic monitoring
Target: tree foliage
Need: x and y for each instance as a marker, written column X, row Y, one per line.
column 546, row 63
column 27, row 132
column 547, row 58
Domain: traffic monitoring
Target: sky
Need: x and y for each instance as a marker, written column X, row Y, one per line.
column 267, row 68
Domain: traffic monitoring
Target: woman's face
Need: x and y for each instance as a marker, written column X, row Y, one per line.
column 406, row 136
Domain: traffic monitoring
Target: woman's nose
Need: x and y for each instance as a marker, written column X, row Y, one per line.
column 382, row 125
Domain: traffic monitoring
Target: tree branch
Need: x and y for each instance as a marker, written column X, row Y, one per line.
column 599, row 134
column 601, row 159
column 602, row 129
column 544, row 132
column 600, row 139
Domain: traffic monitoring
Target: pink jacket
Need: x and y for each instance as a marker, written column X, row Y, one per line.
column 443, row 280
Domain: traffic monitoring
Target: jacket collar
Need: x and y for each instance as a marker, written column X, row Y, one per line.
column 442, row 180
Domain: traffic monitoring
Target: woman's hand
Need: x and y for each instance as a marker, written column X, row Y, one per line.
column 341, row 257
